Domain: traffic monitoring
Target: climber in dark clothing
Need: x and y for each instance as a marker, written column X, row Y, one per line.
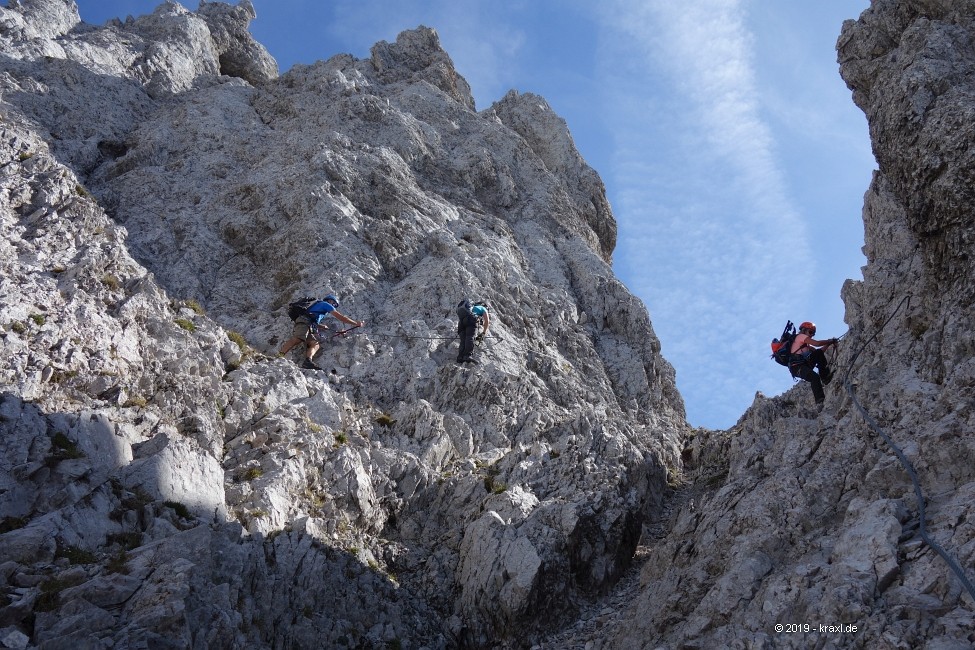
column 809, row 356
column 469, row 317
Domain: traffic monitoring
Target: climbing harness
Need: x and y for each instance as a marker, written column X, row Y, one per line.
column 345, row 331
column 833, row 353
column 321, row 333
column 908, row 467
column 487, row 343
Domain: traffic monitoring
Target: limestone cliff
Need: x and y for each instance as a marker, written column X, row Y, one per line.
column 806, row 519
column 168, row 481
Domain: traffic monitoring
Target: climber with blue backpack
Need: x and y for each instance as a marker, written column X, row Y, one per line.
column 308, row 315
column 804, row 355
column 469, row 316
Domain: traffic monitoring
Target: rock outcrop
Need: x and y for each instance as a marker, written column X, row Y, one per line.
column 169, row 482
column 807, row 520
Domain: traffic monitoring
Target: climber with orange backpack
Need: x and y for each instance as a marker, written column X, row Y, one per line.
column 804, row 355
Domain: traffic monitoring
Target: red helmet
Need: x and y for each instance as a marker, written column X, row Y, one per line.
column 808, row 326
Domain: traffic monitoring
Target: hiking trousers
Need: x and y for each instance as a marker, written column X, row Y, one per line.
column 466, row 330
column 815, row 360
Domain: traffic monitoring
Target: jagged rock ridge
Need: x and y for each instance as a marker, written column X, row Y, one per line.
column 806, row 519
column 169, row 482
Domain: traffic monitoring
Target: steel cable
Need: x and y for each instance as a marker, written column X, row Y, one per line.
column 908, row 467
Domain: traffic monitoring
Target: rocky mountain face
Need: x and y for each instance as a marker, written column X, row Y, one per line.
column 808, row 520
column 169, row 481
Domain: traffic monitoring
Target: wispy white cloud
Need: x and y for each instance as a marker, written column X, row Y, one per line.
column 697, row 230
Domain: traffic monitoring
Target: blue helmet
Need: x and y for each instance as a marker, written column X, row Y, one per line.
column 478, row 309
column 332, row 298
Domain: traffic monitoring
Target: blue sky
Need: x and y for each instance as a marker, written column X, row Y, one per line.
column 732, row 153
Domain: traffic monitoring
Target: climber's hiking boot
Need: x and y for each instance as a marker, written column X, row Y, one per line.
column 310, row 365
